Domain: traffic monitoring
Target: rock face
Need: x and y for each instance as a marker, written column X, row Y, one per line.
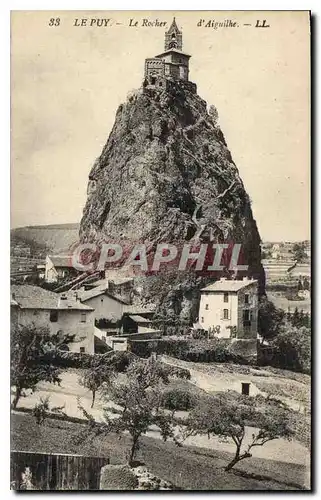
column 164, row 172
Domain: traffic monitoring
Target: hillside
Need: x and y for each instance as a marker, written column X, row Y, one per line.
column 54, row 237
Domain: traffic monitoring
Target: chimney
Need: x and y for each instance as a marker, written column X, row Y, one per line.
column 62, row 299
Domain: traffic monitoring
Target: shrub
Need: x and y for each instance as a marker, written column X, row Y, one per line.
column 292, row 348
column 176, row 371
column 40, row 410
column 178, row 399
column 198, row 351
column 65, row 359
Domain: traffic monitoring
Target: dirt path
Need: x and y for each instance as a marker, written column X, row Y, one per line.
column 70, row 393
column 210, row 379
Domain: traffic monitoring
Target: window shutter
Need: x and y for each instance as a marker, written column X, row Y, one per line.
column 222, row 313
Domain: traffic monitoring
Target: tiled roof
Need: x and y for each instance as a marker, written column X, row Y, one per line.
column 100, row 290
column 35, row 297
column 61, row 260
column 139, row 319
column 93, row 292
column 177, row 51
column 228, row 285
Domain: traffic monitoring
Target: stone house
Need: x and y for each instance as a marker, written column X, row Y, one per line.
column 32, row 305
column 231, row 305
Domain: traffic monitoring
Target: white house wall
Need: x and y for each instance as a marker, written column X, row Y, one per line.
column 69, row 322
column 213, row 316
column 104, row 306
column 51, row 275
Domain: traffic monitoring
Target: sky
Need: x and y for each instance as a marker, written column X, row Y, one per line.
column 67, row 82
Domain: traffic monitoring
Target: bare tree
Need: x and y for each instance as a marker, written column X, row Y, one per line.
column 227, row 415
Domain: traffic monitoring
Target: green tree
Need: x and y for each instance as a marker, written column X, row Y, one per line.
column 95, row 376
column 299, row 318
column 137, row 400
column 228, row 413
column 298, row 251
column 269, row 319
column 31, row 350
column 293, row 348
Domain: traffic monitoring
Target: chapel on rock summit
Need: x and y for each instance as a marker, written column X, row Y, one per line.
column 172, row 64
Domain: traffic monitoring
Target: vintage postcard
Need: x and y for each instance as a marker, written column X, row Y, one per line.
column 160, row 250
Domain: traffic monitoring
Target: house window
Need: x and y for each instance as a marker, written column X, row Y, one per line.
column 247, row 315
column 206, row 307
column 83, row 318
column 225, row 296
column 202, row 320
column 102, row 301
column 225, row 313
column 82, row 349
column 153, row 80
column 246, row 298
column 53, row 316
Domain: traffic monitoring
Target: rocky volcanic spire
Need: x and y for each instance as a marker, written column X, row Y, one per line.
column 165, row 171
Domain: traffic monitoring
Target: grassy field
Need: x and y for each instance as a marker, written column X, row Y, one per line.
column 187, row 467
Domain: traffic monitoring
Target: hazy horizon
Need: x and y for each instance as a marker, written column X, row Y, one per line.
column 67, row 83
column 77, row 224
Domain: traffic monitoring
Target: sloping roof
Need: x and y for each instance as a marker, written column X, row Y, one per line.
column 35, row 297
column 138, row 319
column 61, row 260
column 100, row 290
column 173, row 26
column 228, row 285
column 93, row 292
column 172, row 50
